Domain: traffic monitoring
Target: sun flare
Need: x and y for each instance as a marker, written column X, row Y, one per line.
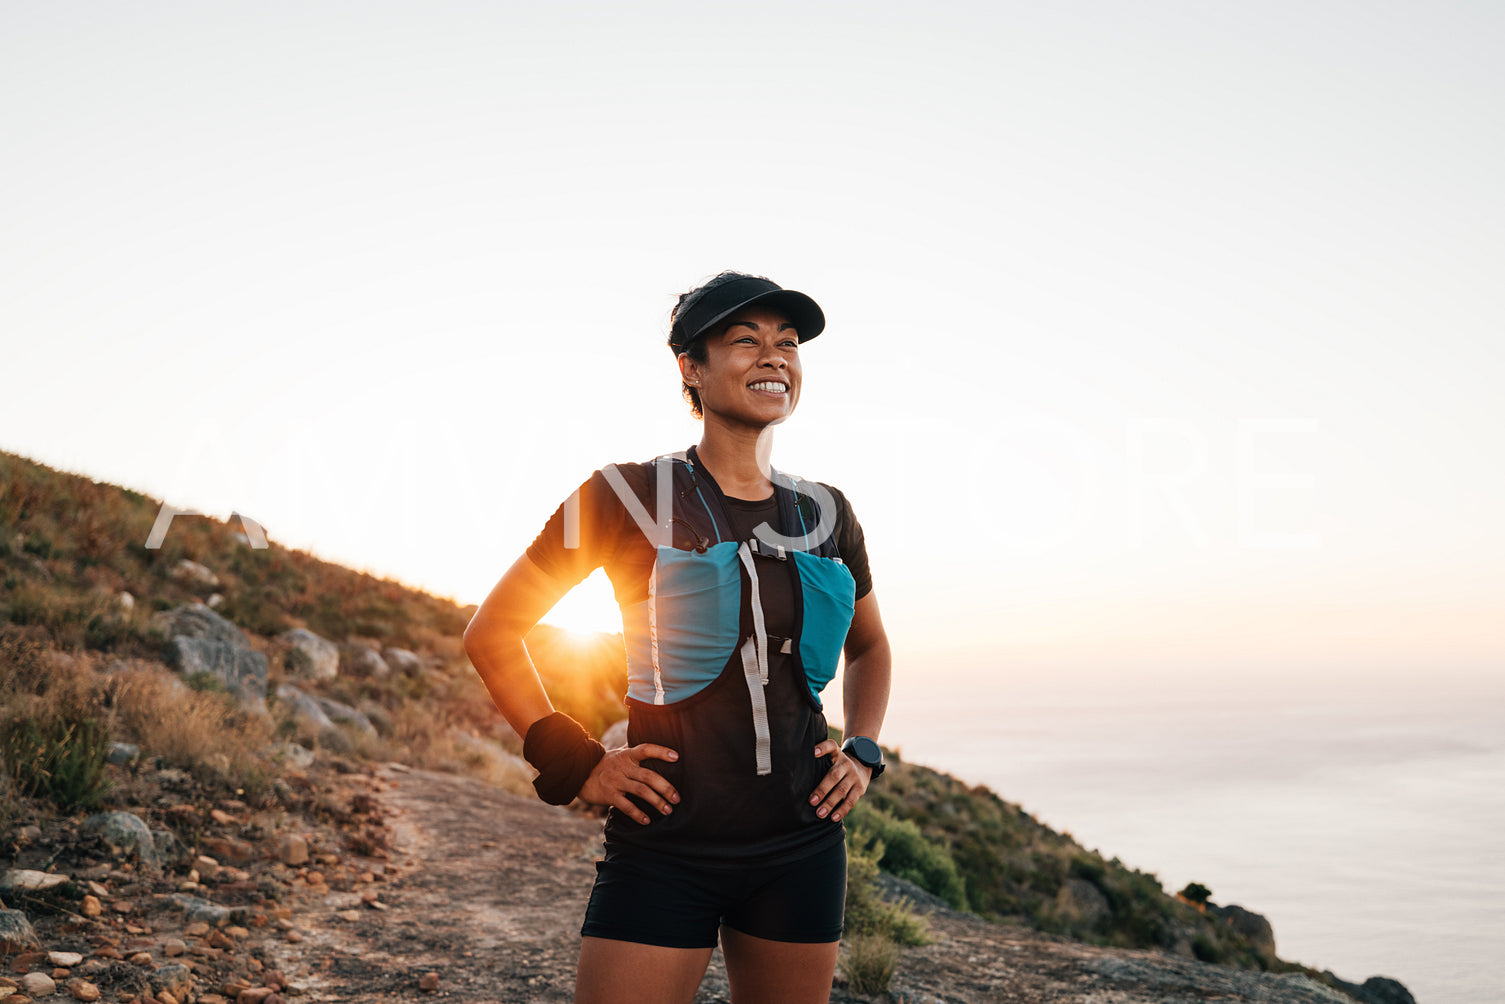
column 588, row 609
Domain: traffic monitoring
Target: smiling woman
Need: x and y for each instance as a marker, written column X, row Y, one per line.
column 738, row 604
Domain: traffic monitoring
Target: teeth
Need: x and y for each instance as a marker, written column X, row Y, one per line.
column 769, row 385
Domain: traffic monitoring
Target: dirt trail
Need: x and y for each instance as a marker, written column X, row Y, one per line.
column 495, row 885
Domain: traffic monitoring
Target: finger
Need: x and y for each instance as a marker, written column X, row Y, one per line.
column 625, row 805
column 660, row 784
column 834, row 797
column 653, row 751
column 848, row 804
column 824, row 787
column 827, row 748
column 652, row 797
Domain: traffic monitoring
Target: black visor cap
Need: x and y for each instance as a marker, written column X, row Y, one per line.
column 721, row 302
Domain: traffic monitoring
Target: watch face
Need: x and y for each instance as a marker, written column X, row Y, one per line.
column 867, row 751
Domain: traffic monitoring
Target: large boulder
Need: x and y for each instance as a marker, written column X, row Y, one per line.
column 201, row 641
column 1251, row 925
column 402, row 661
column 322, row 717
column 365, row 663
column 124, row 834
column 192, row 573
column 344, row 714
column 304, row 709
column 195, row 620
column 1375, row 990
column 311, row 657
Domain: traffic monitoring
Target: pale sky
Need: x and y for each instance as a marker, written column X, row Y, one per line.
column 1164, row 339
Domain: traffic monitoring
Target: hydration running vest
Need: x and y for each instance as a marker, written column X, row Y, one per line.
column 700, row 660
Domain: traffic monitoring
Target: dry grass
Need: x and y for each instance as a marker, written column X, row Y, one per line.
column 203, row 733
column 868, row 962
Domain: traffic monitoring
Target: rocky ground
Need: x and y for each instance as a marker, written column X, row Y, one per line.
column 417, row 884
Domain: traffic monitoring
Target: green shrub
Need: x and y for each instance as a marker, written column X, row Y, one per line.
column 867, row 912
column 58, row 758
column 910, row 856
column 869, row 962
column 1196, row 892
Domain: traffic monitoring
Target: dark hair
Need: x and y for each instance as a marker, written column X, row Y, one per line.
column 696, row 350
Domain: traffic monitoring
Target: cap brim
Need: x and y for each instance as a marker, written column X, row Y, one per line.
column 809, row 320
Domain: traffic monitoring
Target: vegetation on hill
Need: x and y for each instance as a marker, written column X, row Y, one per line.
column 70, row 547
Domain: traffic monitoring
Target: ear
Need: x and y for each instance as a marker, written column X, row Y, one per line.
column 689, row 369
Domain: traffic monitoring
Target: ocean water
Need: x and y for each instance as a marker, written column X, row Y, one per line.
column 1369, row 829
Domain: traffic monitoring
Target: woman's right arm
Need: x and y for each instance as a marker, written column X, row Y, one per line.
column 494, row 643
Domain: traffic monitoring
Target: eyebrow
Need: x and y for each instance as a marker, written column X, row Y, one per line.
column 786, row 326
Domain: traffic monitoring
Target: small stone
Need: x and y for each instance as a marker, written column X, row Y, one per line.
column 350, row 915
column 197, row 929
column 83, row 990
column 428, row 982
column 97, row 889
column 255, row 995
column 61, row 973
column 38, row 984
column 293, row 850
column 219, row 939
column 294, row 937
column 315, row 878
column 122, row 906
column 26, row 880
column 123, row 754
column 237, row 932
column 222, row 817
column 370, row 896
column 124, row 834
column 230, row 849
column 173, row 978
column 16, row 934
column 206, row 866
column 163, row 997
column 142, row 959
column 65, row 959
column 173, row 947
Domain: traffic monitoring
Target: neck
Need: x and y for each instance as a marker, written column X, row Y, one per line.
column 738, row 458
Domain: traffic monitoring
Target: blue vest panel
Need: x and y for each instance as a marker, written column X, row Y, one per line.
column 682, row 637
column 692, row 617
column 828, row 593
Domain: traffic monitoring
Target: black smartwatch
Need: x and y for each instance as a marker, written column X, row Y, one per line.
column 866, row 752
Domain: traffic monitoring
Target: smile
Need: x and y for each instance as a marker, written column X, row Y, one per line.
column 770, row 386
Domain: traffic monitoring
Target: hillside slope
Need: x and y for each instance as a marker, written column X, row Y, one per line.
column 233, row 666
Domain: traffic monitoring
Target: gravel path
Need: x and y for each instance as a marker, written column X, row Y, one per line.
column 496, row 885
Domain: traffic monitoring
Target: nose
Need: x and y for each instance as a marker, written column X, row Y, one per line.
column 773, row 357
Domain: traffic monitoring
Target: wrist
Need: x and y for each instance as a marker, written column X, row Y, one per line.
column 564, row 755
column 867, row 752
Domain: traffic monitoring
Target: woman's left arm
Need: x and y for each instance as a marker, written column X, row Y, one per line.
column 864, row 687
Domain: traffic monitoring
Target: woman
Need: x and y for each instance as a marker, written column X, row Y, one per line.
column 740, row 588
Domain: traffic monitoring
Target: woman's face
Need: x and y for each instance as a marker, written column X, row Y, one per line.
column 752, row 370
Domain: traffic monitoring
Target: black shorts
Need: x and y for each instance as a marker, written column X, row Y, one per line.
column 654, row 899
